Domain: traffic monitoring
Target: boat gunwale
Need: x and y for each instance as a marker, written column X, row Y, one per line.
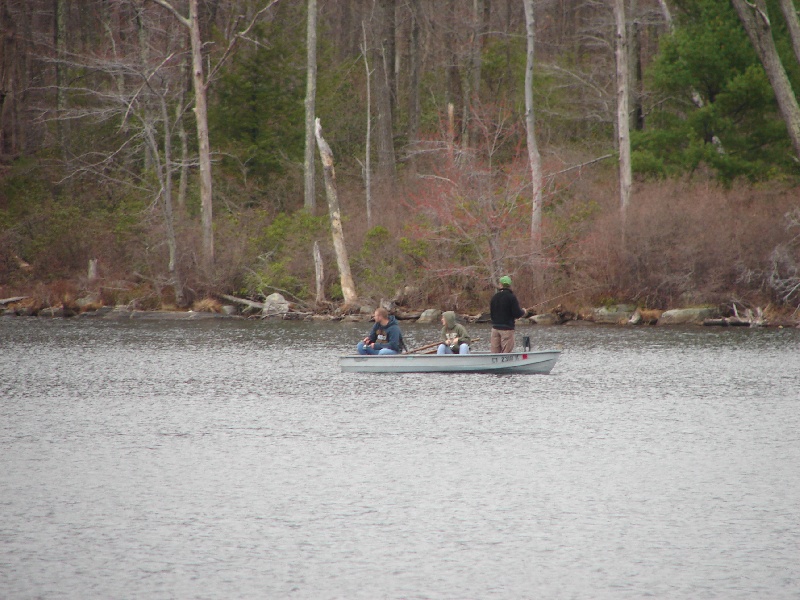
column 524, row 362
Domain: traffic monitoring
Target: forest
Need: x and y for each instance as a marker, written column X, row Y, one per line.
column 162, row 153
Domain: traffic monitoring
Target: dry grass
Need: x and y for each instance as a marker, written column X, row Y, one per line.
column 208, row 305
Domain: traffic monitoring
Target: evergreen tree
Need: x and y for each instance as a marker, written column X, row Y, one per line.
column 712, row 103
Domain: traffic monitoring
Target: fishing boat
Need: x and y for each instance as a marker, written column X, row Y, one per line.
column 528, row 362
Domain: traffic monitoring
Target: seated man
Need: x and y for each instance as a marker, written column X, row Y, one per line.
column 385, row 336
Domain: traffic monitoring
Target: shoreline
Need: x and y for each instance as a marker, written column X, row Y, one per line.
column 620, row 315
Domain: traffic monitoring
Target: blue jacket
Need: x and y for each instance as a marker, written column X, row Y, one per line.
column 386, row 336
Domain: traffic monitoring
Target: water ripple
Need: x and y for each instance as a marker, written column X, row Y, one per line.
column 229, row 459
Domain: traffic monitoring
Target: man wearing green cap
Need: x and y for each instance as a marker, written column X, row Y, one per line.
column 505, row 310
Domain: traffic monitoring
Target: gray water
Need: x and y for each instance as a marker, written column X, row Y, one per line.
column 232, row 459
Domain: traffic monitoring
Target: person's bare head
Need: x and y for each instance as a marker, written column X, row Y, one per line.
column 381, row 316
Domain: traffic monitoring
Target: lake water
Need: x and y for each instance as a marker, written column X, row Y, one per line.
column 231, row 459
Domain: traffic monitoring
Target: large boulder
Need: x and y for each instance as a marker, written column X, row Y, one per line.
column 275, row 304
column 545, row 319
column 431, row 315
column 616, row 314
column 687, row 316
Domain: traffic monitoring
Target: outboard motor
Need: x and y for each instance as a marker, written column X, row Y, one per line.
column 526, row 343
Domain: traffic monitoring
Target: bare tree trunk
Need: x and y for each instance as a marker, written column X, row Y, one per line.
column 451, row 70
column 311, row 94
column 62, row 10
column 530, row 125
column 91, row 275
column 755, row 19
column 469, row 66
column 666, row 14
column 8, row 80
column 413, row 75
column 793, row 24
column 183, row 182
column 169, row 217
column 192, row 23
column 451, row 130
column 390, row 51
column 22, row 75
column 346, row 279
column 472, row 80
column 320, row 274
column 623, row 119
column 201, row 118
column 163, row 171
column 200, row 85
column 185, row 85
column 383, row 89
column 111, row 25
column 368, row 149
column 637, row 112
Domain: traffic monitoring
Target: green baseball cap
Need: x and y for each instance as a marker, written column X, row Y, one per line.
column 505, row 280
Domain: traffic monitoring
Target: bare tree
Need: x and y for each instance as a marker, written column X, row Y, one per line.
column 311, row 94
column 755, row 18
column 793, row 25
column 368, row 144
column 9, row 81
column 534, row 158
column 200, row 85
column 201, row 82
column 383, row 61
column 139, row 104
column 345, row 277
column 414, row 68
column 61, row 93
column 623, row 120
column 665, row 12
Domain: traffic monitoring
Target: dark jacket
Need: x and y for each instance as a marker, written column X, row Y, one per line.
column 504, row 308
column 386, row 336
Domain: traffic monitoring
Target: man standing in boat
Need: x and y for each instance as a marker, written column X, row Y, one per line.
column 505, row 310
column 385, row 336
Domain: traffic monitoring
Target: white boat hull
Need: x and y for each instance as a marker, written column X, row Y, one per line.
column 533, row 362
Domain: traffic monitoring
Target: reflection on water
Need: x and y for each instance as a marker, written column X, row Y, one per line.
column 232, row 459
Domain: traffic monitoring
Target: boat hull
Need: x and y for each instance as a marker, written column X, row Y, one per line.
column 539, row 362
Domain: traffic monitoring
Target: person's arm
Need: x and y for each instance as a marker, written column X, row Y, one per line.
column 516, row 310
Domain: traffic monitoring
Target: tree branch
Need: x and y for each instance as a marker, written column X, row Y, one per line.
column 164, row 4
column 241, row 35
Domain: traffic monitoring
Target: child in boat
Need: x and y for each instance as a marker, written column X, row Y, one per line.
column 455, row 339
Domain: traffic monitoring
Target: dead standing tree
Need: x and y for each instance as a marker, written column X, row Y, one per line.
column 345, row 277
column 310, row 104
column 534, row 158
column 623, row 119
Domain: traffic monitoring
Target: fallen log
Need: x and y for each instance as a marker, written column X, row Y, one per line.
column 727, row 322
column 249, row 303
column 5, row 301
